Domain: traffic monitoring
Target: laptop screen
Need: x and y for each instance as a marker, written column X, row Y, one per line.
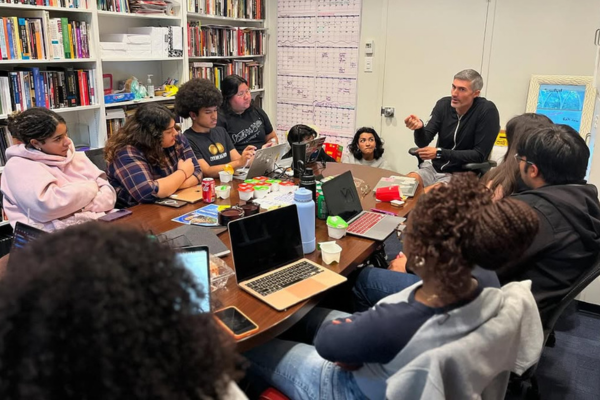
column 195, row 260
column 265, row 241
column 24, row 234
column 342, row 197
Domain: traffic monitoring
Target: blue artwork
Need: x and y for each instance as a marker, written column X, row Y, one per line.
column 563, row 104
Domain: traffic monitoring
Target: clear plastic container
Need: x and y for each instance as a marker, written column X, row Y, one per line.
column 225, row 177
column 331, row 252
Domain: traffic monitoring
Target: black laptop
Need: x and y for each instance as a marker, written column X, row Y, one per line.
column 343, row 201
column 23, row 234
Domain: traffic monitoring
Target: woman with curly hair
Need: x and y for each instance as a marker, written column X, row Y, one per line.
column 45, row 181
column 366, row 149
column 450, row 230
column 505, row 179
column 148, row 160
column 247, row 124
column 104, row 312
column 199, row 100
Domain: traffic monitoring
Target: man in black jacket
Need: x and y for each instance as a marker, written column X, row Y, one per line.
column 466, row 125
column 553, row 162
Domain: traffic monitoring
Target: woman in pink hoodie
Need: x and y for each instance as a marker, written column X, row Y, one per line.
column 47, row 183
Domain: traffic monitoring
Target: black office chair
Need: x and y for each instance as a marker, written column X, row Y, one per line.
column 525, row 386
column 478, row 168
column 97, row 157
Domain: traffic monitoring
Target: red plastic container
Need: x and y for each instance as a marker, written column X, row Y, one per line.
column 388, row 193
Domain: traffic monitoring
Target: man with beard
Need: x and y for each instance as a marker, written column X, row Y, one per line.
column 553, row 162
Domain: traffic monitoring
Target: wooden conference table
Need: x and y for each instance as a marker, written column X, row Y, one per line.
column 271, row 322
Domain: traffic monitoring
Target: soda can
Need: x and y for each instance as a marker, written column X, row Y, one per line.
column 208, row 190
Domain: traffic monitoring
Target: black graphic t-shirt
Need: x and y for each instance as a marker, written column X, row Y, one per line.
column 249, row 128
column 213, row 147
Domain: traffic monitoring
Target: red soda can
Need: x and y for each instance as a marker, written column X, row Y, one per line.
column 208, row 190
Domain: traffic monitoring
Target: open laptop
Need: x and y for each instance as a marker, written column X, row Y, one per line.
column 342, row 200
column 195, row 260
column 269, row 263
column 24, row 234
column 191, row 195
column 263, row 163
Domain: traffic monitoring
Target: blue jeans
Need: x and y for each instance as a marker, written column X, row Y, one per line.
column 373, row 284
column 297, row 370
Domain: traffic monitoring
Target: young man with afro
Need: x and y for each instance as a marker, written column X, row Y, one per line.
column 199, row 100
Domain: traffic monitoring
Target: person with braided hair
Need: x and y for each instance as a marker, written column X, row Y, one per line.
column 46, row 183
column 447, row 234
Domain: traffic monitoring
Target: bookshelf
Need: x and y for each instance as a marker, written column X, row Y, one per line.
column 88, row 122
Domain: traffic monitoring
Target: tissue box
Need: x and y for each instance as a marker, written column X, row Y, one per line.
column 118, row 97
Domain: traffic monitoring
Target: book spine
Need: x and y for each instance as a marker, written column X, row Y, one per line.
column 71, row 42
column 3, row 42
column 25, row 53
column 65, row 38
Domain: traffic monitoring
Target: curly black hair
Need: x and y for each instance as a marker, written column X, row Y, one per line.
column 458, row 226
column 195, row 94
column 355, row 150
column 104, row 312
column 34, row 123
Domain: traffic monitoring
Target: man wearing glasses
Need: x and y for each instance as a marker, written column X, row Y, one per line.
column 466, row 126
column 553, row 162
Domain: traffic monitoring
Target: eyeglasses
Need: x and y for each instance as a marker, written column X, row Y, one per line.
column 242, row 93
column 519, row 158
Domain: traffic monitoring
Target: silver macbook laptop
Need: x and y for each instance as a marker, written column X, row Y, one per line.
column 269, row 262
column 342, row 200
column 263, row 163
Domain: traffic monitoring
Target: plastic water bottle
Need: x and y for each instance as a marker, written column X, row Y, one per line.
column 306, row 216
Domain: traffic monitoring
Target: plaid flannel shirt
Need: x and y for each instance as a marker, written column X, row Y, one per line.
column 134, row 179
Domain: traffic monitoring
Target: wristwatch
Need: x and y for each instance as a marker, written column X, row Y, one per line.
column 438, row 153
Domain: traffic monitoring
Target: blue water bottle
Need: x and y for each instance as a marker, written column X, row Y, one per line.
column 306, row 216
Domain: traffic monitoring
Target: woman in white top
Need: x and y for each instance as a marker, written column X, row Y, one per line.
column 366, row 149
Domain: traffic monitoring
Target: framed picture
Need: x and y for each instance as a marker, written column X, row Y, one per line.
column 564, row 99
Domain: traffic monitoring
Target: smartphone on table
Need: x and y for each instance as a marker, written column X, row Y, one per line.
column 235, row 322
column 111, row 216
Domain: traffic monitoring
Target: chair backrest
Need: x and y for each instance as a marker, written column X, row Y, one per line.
column 581, row 284
column 97, row 157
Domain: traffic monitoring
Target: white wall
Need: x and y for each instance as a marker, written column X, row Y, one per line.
column 522, row 38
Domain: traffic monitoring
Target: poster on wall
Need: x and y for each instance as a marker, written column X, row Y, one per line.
column 317, row 66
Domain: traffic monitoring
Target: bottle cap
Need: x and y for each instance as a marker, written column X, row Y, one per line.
column 302, row 195
column 308, row 172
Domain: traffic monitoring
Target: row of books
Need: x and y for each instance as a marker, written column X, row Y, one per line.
column 247, row 9
column 250, row 70
column 139, row 6
column 82, row 4
column 56, row 88
column 219, row 41
column 43, row 38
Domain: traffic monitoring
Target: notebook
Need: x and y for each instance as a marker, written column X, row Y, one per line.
column 269, row 263
column 190, row 235
column 195, row 260
column 23, row 234
column 263, row 162
column 342, row 200
column 191, row 195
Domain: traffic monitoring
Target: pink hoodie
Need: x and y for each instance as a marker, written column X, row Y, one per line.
column 54, row 191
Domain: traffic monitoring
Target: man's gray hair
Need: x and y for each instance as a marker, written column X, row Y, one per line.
column 472, row 76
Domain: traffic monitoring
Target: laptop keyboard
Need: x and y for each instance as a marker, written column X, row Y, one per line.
column 284, row 278
column 365, row 222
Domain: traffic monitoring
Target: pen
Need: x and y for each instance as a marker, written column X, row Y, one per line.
column 377, row 210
